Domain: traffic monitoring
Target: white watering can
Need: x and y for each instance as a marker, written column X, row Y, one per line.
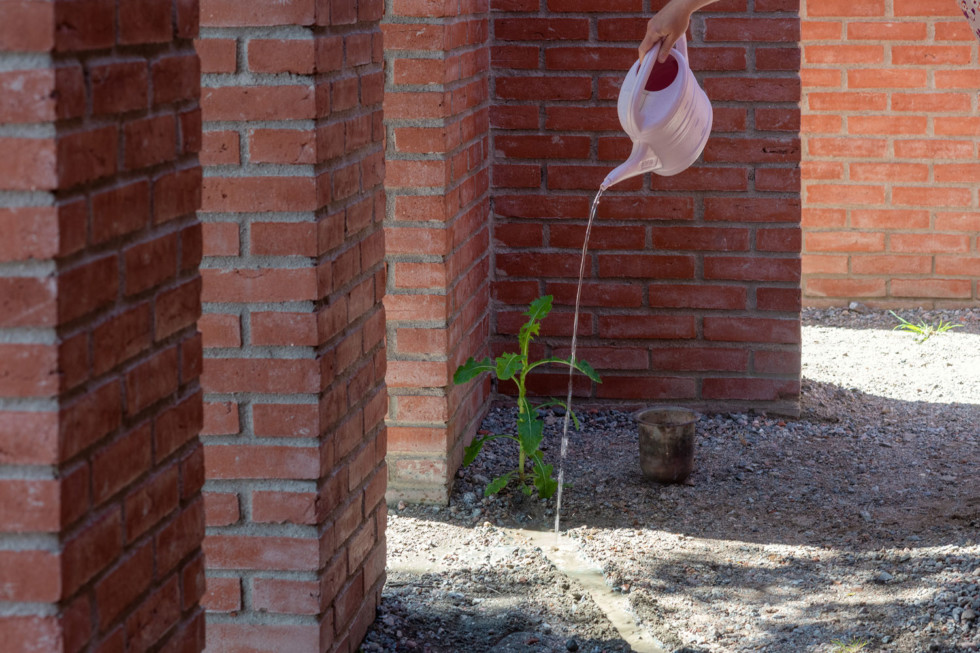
column 665, row 112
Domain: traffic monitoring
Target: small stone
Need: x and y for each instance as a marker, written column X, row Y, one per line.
column 571, row 645
column 968, row 615
column 884, row 577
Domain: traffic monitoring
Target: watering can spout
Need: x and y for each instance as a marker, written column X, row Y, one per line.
column 642, row 159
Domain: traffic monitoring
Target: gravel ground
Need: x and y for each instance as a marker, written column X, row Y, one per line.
column 859, row 522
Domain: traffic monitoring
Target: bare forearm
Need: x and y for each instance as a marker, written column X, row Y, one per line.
column 669, row 24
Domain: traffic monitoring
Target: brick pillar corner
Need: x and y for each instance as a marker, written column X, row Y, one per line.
column 100, row 406
column 437, row 238
column 293, row 323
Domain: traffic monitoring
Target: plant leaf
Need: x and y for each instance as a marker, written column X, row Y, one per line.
column 530, row 432
column 470, row 369
column 539, row 308
column 508, row 365
column 546, row 485
column 497, row 484
column 580, row 365
column 472, row 451
column 528, row 330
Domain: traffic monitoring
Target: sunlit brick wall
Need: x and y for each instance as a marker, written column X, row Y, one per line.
column 692, row 284
column 890, row 132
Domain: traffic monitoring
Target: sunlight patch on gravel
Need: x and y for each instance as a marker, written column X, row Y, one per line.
column 943, row 369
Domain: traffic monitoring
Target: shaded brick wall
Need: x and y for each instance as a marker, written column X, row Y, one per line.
column 294, row 326
column 101, row 516
column 891, row 165
column 437, row 236
column 692, row 287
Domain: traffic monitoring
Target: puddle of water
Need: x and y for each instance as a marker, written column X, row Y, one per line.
column 563, row 553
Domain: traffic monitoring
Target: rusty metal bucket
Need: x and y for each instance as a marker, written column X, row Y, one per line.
column 666, row 442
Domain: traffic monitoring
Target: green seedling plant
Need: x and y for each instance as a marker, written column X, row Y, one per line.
column 923, row 330
column 850, row 646
column 530, row 428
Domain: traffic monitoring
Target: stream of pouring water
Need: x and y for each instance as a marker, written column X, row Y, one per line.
column 571, row 368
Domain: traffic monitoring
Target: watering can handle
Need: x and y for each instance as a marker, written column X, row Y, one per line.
column 681, row 45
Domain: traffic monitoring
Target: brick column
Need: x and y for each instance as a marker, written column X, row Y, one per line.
column 437, row 236
column 100, row 462
column 891, row 162
column 692, row 291
column 294, row 325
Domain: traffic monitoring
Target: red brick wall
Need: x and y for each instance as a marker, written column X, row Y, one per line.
column 692, row 288
column 437, row 236
column 293, row 327
column 100, row 506
column 890, row 171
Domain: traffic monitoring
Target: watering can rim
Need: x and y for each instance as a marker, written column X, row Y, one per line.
column 636, row 415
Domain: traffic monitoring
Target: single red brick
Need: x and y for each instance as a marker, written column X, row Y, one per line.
column 220, row 419
column 284, row 507
column 151, row 380
column 28, row 301
column 176, row 78
column 30, row 576
column 91, row 550
column 191, row 358
column 150, row 141
column 150, row 263
column 86, row 25
column 220, row 330
column 155, row 616
column 259, row 194
column 180, row 537
column 118, row 87
column 285, row 596
column 145, row 22
column 259, row 461
column 90, row 417
column 120, row 210
column 121, row 337
column 39, row 513
column 177, row 308
column 177, row 426
column 221, row 508
column 217, row 55
column 261, row 553
column 229, row 637
column 176, row 193
column 190, row 131
column 220, row 148
column 192, row 584
column 223, row 594
column 152, row 501
column 27, row 26
column 123, row 584
column 259, row 285
column 28, row 164
column 85, row 156
column 27, row 96
column 121, row 462
column 28, row 370
column 257, row 13
column 281, row 56
column 192, row 471
column 294, row 102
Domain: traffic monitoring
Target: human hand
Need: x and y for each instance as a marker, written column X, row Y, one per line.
column 667, row 25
